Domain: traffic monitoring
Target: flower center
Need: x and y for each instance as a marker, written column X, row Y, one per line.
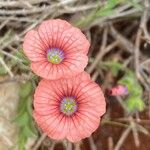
column 55, row 55
column 68, row 106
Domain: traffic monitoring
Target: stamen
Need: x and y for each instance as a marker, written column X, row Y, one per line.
column 55, row 55
column 68, row 106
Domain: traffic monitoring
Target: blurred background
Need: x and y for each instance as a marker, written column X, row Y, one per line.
column 119, row 33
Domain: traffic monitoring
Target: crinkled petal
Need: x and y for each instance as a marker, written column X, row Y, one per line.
column 69, row 68
column 54, row 125
column 73, row 40
column 56, row 33
column 90, row 107
column 90, row 91
column 60, row 34
column 82, row 126
column 33, row 46
column 51, row 30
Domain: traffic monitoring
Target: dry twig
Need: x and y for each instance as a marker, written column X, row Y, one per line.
column 122, row 138
column 40, row 140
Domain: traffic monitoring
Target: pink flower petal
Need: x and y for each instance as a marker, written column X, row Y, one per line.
column 73, row 40
column 68, row 68
column 51, row 30
column 90, row 106
column 55, row 128
column 33, row 46
column 56, row 34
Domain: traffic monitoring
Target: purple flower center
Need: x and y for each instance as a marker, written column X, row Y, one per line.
column 68, row 106
column 55, row 55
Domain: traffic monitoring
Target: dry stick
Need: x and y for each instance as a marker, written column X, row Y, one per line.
column 135, row 132
column 52, row 145
column 47, row 14
column 139, row 127
column 143, row 121
column 142, row 28
column 15, row 38
column 43, row 17
column 146, row 80
column 129, row 47
column 5, row 22
column 69, row 146
column 137, row 116
column 119, row 99
column 92, row 144
column 114, row 123
column 40, row 140
column 137, row 52
column 133, row 12
column 93, row 44
column 99, row 56
column 110, row 143
column 35, row 10
column 147, row 61
column 95, row 75
column 18, row 19
column 122, row 138
column 17, row 79
column 132, row 124
column 123, row 41
column 33, row 2
column 66, row 9
column 79, row 8
column 143, row 130
column 126, row 13
column 6, row 67
column 10, row 55
column 149, row 102
column 77, row 146
column 20, row 35
column 12, row 39
column 145, row 19
column 20, row 4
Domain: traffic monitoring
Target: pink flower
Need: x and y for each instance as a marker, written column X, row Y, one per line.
column 56, row 49
column 118, row 90
column 69, row 108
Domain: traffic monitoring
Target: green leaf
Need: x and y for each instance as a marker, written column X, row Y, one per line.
column 134, row 103
column 109, row 8
column 132, row 84
column 21, row 142
column 23, row 120
column 29, row 105
column 20, row 54
column 136, row 4
column 26, row 89
column 2, row 70
column 115, row 67
column 27, row 131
